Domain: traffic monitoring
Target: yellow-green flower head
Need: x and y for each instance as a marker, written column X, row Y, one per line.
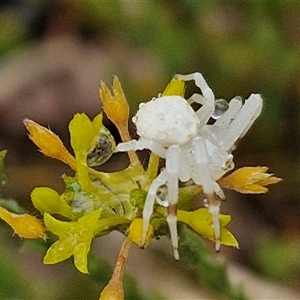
column 74, row 239
column 95, row 203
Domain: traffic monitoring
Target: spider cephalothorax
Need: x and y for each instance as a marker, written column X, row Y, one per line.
column 192, row 149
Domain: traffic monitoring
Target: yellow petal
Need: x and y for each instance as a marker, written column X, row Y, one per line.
column 228, row 239
column 224, row 219
column 48, row 142
column 83, row 133
column 249, row 180
column 175, row 87
column 57, row 252
column 201, row 221
column 84, row 178
column 48, row 200
column 59, row 228
column 136, row 230
column 24, row 225
column 81, row 251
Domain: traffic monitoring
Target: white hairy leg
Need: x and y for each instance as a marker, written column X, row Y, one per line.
column 205, row 112
column 140, row 145
column 203, row 177
column 219, row 191
column 160, row 180
column 196, row 98
column 172, row 168
column 186, row 162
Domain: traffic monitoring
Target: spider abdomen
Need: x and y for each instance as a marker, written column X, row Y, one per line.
column 168, row 120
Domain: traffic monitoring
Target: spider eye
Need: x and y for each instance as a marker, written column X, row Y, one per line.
column 221, row 106
column 103, row 149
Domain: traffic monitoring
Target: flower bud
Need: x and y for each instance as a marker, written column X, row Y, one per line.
column 25, row 226
column 115, row 106
column 49, row 143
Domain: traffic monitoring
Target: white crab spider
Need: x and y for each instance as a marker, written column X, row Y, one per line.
column 192, row 149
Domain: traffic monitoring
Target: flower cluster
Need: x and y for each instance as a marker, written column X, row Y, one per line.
column 95, row 203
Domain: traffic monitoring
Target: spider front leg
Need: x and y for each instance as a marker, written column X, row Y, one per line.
column 202, row 176
column 172, row 170
column 140, row 145
column 160, row 180
column 207, row 100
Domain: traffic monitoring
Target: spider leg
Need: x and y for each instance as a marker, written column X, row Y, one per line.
column 185, row 163
column 168, row 176
column 172, row 169
column 203, row 113
column 140, row 145
column 208, row 99
column 160, row 180
column 243, row 121
column 202, row 176
column 196, row 98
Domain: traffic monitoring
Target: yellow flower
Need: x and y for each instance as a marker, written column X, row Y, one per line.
column 74, row 239
column 201, row 221
column 24, row 225
column 249, row 180
column 136, row 230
